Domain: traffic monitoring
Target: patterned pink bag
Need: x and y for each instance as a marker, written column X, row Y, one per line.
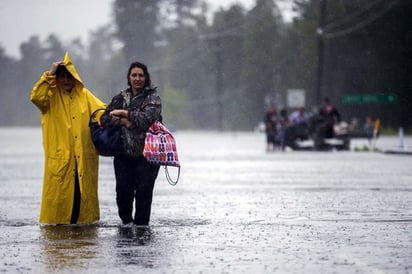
column 160, row 148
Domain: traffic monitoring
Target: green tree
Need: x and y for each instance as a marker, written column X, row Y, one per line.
column 299, row 62
column 262, row 51
column 105, row 68
column 365, row 53
column 136, row 22
column 7, row 80
column 228, row 39
column 33, row 63
column 182, row 60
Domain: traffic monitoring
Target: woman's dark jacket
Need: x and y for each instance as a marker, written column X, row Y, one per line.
column 144, row 109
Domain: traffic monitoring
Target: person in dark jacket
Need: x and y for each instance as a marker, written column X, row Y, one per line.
column 330, row 116
column 270, row 120
column 135, row 109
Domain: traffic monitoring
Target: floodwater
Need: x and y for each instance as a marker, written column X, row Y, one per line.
column 236, row 209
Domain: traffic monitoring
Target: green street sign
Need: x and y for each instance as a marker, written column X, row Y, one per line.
column 380, row 98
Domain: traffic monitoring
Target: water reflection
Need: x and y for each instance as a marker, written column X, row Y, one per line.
column 303, row 213
column 68, row 246
column 136, row 236
column 135, row 246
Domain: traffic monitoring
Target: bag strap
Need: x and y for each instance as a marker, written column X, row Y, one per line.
column 169, row 179
column 94, row 113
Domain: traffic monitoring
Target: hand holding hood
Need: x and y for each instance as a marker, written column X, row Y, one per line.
column 67, row 62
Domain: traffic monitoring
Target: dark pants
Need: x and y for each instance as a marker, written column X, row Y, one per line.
column 135, row 179
column 76, row 200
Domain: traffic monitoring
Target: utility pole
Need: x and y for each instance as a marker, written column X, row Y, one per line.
column 322, row 11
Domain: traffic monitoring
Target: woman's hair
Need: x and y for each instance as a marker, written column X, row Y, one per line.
column 145, row 71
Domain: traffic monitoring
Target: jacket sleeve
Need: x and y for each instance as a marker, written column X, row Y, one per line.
column 337, row 115
column 149, row 112
column 42, row 91
column 116, row 103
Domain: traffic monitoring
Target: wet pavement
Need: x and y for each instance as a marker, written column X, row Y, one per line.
column 236, row 209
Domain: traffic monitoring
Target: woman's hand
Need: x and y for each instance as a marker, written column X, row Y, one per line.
column 119, row 112
column 120, row 116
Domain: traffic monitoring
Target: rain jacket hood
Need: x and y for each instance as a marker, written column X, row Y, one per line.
column 68, row 148
column 71, row 68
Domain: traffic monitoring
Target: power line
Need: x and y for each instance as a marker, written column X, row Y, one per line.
column 350, row 17
column 361, row 24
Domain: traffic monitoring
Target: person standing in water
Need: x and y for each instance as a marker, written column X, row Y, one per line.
column 135, row 109
column 270, row 121
column 69, row 194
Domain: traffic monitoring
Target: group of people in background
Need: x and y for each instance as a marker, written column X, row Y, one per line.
column 283, row 130
column 279, row 124
column 70, row 183
column 280, row 127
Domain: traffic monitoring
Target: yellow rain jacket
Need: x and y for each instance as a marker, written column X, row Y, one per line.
column 67, row 145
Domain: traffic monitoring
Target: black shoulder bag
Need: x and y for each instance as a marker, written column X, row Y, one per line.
column 107, row 140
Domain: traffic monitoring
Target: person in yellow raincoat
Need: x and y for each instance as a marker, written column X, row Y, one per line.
column 70, row 188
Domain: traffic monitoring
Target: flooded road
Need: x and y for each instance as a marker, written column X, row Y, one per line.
column 236, row 209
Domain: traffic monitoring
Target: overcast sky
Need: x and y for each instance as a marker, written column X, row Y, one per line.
column 67, row 19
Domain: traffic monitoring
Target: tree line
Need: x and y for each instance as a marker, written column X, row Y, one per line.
column 221, row 74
